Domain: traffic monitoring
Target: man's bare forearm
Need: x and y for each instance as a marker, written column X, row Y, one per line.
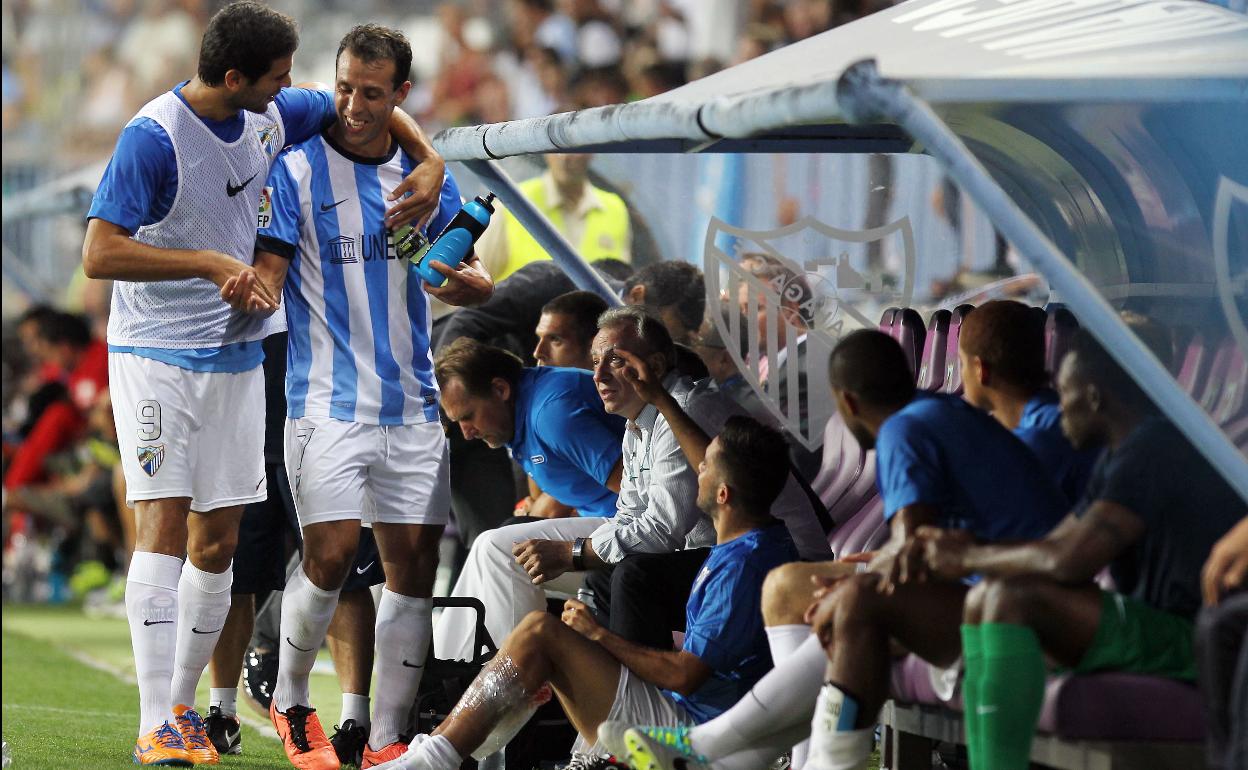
column 110, row 253
column 670, row 670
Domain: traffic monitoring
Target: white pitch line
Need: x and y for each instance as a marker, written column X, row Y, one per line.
column 264, row 727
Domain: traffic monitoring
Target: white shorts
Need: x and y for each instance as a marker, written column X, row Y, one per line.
column 638, row 702
column 188, row 434
column 393, row 474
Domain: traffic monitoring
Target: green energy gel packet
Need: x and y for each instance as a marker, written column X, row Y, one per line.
column 410, row 243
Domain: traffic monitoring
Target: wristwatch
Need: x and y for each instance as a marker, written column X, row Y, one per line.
column 578, row 554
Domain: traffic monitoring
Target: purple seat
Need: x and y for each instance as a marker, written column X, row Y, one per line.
column 1059, row 328
column 909, row 332
column 935, row 348
column 1114, row 706
column 1194, row 366
column 861, row 529
column 1109, row 706
column 886, row 320
column 1232, row 402
column 953, row 367
column 842, row 468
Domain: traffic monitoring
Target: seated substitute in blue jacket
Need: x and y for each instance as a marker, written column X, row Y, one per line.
column 550, row 419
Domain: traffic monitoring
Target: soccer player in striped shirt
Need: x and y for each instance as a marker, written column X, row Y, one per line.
column 363, row 439
column 171, row 225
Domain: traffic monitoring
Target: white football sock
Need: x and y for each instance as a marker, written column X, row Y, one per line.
column 784, row 697
column 306, row 613
column 439, row 754
column 355, row 706
column 224, row 698
column 834, row 743
column 152, row 611
column 404, row 627
column 203, row 603
column 784, row 641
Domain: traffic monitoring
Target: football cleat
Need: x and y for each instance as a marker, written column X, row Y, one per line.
column 349, row 742
column 195, row 736
column 304, row 739
column 662, row 748
column 225, row 732
column 384, row 754
column 260, row 674
column 162, row 746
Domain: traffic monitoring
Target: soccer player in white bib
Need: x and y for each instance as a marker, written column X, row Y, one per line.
column 173, row 224
column 364, row 444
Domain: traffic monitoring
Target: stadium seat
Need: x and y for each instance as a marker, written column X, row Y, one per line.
column 953, row 368
column 908, row 330
column 1194, row 366
column 1059, row 328
column 935, row 348
column 1231, row 402
column 1108, row 706
column 887, row 318
column 846, row 476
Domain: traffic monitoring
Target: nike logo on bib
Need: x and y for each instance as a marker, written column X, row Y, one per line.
column 231, row 190
column 332, row 206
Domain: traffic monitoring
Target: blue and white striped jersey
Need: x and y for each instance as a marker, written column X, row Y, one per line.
column 358, row 317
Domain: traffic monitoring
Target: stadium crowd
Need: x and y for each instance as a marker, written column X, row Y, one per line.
column 612, row 454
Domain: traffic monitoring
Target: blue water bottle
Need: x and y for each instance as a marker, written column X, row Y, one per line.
column 456, row 239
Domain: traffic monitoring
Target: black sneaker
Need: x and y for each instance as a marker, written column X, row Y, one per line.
column 349, row 741
column 260, row 675
column 591, row 762
column 225, row 732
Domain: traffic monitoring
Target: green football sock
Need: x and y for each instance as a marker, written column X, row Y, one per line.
column 972, row 679
column 1011, row 693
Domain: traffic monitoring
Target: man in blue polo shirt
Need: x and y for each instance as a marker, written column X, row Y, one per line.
column 554, row 424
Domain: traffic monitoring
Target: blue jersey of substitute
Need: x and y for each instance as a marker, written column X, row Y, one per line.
column 357, row 315
column 141, row 181
column 724, row 618
column 564, row 438
column 939, row 450
column 1040, row 428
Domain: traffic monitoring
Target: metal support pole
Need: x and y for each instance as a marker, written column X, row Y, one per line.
column 550, row 239
column 863, row 95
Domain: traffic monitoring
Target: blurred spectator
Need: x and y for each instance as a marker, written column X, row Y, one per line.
column 594, row 221
column 160, row 40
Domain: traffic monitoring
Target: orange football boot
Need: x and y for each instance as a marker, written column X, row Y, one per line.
column 162, row 746
column 304, row 739
column 384, row 754
column 195, row 736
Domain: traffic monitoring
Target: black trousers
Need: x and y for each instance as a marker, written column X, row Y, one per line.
column 1222, row 663
column 643, row 597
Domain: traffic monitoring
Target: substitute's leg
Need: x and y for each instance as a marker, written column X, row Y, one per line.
column 351, row 642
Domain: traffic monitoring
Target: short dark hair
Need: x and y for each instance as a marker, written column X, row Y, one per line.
column 613, row 268
column 68, row 328
column 1096, row 365
column 712, row 338
column 476, row 364
column 1009, row 337
column 246, row 36
column 37, row 314
column 374, row 43
column 871, row 365
column 677, row 285
column 583, row 308
column 755, row 462
column 650, row 330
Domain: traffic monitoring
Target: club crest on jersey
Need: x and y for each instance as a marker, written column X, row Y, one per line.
column 268, row 140
column 264, row 216
column 151, row 457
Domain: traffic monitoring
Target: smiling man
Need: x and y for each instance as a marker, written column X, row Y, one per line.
column 363, row 440
column 173, row 224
